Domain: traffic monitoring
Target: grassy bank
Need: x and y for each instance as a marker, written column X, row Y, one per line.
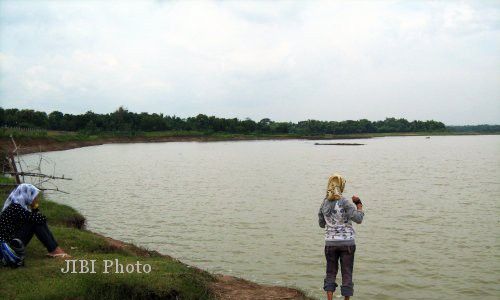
column 37, row 141
column 42, row 278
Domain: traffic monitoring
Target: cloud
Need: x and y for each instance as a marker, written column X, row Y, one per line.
column 329, row 60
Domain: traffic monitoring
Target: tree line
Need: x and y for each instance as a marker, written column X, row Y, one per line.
column 483, row 128
column 123, row 120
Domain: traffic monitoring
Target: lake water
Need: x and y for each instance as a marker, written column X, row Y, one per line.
column 249, row 209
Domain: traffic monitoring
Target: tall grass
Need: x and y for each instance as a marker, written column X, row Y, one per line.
column 6, row 132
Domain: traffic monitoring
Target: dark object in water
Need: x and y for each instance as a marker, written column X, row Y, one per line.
column 339, row 144
column 428, row 137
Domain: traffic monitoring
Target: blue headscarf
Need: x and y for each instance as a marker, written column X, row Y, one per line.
column 23, row 195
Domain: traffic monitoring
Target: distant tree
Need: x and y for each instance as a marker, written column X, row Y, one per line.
column 264, row 125
column 248, row 125
column 121, row 120
column 175, row 123
column 2, row 117
column 366, row 126
column 154, row 122
column 280, row 127
column 55, row 120
column 475, row 128
column 125, row 121
column 201, row 122
column 10, row 116
column 31, row 119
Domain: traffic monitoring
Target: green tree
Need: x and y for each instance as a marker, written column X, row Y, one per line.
column 55, row 120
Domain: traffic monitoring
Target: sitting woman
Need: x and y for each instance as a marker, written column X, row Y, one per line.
column 20, row 220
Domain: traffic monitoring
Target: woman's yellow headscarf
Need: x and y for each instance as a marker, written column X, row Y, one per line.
column 335, row 187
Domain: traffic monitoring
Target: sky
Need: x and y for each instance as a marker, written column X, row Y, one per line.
column 283, row 60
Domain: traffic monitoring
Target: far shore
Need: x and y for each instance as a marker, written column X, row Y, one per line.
column 57, row 141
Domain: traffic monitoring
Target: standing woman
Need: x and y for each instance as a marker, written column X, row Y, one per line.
column 335, row 215
column 20, row 220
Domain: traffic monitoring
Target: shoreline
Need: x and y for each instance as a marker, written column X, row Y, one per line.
column 223, row 287
column 170, row 279
column 226, row 287
column 30, row 145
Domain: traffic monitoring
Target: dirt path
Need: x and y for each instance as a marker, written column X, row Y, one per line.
column 233, row 288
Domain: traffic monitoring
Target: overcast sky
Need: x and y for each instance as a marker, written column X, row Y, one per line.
column 288, row 61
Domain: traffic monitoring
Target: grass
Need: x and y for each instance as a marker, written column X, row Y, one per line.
column 41, row 278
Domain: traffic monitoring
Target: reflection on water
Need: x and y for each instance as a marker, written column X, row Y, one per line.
column 250, row 209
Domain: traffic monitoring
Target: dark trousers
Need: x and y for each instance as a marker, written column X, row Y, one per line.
column 41, row 231
column 346, row 256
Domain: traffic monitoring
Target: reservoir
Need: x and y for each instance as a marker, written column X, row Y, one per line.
column 249, row 208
